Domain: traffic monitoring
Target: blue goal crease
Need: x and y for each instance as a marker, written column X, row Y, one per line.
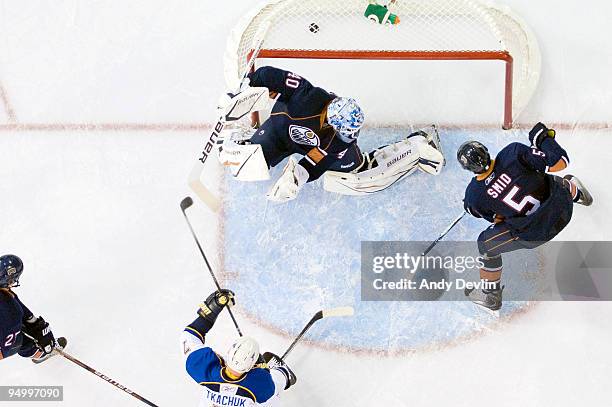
column 293, row 259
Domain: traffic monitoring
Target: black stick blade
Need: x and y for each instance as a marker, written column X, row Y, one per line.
column 186, row 203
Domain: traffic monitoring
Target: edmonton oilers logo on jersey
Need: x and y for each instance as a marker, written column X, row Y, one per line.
column 303, row 135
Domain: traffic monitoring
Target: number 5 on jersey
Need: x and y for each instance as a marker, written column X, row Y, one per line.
column 510, row 197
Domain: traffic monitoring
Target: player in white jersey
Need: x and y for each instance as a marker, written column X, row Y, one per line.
column 240, row 378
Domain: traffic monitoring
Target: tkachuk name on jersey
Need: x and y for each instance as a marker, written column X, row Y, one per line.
column 499, row 186
column 303, row 135
column 225, row 400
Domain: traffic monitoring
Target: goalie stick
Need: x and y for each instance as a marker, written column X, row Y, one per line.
column 104, row 377
column 195, row 183
column 333, row 312
column 186, row 203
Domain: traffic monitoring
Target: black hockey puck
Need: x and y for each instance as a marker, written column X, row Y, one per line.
column 314, row 28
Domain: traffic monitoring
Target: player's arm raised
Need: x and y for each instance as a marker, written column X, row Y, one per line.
column 546, row 155
column 197, row 355
column 279, row 81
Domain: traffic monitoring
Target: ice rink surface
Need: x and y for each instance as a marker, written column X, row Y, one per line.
column 313, row 246
column 110, row 263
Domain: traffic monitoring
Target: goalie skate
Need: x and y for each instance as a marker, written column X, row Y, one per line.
column 433, row 138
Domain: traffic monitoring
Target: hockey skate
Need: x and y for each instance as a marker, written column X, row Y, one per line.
column 60, row 344
column 489, row 299
column 586, row 198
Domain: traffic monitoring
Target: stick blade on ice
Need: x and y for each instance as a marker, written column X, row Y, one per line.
column 196, row 185
column 186, row 203
column 338, row 312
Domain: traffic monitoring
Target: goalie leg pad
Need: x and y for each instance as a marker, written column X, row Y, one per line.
column 431, row 160
column 388, row 165
column 246, row 161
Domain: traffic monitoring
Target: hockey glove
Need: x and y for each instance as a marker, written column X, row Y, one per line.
column 214, row 304
column 39, row 330
column 539, row 133
column 276, row 363
column 286, row 188
column 231, row 107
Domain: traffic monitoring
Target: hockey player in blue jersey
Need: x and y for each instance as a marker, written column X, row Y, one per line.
column 241, row 377
column 526, row 205
column 20, row 331
column 322, row 128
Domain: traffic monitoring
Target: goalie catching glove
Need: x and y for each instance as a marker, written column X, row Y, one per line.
column 290, row 182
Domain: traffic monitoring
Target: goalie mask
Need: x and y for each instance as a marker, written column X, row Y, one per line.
column 346, row 117
column 11, row 268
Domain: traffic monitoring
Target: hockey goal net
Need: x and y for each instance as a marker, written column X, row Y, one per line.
column 445, row 30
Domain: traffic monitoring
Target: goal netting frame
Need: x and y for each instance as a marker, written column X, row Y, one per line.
column 451, row 30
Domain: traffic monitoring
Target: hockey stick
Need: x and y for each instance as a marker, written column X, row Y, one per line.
column 104, row 377
column 452, row 225
column 333, row 312
column 194, row 180
column 186, row 203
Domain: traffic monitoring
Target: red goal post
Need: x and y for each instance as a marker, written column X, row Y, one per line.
column 443, row 30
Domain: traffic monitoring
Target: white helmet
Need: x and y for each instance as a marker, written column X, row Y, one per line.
column 346, row 117
column 242, row 355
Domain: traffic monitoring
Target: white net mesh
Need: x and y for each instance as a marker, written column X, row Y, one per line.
column 425, row 25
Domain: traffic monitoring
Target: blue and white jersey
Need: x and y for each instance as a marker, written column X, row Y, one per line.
column 260, row 386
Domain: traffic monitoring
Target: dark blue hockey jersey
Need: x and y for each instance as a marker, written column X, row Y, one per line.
column 298, row 123
column 12, row 315
column 516, row 184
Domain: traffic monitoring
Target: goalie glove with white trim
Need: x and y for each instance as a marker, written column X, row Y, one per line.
column 276, row 363
column 290, row 182
column 233, row 107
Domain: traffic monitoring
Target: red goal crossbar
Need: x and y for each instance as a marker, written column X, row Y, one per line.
column 409, row 55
